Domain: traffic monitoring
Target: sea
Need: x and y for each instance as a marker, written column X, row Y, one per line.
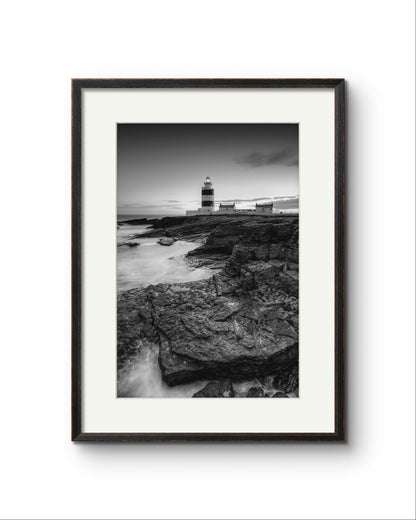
column 150, row 263
column 123, row 217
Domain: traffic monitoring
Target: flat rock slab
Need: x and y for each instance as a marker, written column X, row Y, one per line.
column 166, row 241
column 205, row 334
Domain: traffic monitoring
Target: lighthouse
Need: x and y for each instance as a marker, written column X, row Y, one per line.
column 207, row 200
column 207, row 196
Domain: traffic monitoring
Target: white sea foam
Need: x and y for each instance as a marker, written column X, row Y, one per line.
column 151, row 263
column 142, row 378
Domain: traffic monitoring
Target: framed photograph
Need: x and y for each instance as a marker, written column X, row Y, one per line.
column 208, row 259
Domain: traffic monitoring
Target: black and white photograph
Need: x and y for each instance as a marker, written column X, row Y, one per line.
column 207, row 260
column 208, row 271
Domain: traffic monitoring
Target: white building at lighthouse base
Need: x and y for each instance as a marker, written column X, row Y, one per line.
column 200, row 211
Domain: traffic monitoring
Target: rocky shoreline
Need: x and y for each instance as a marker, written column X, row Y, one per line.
column 240, row 325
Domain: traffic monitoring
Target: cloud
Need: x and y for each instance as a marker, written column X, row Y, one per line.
column 174, row 201
column 239, row 201
column 293, row 197
column 157, row 207
column 284, row 200
column 287, row 156
column 285, row 203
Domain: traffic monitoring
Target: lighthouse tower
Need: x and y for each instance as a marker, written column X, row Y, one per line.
column 207, row 196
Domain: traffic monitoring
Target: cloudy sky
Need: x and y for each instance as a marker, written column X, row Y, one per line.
column 161, row 167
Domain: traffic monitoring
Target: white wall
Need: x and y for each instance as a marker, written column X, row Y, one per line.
column 43, row 45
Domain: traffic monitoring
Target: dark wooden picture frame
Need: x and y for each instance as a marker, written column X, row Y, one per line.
column 339, row 90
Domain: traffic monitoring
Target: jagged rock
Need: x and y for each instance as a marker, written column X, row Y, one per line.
column 287, row 380
column 274, row 238
column 280, row 394
column 255, row 391
column 134, row 222
column 172, row 221
column 132, row 236
column 222, row 232
column 213, row 328
column 212, row 261
column 292, row 267
column 187, row 228
column 129, row 244
column 166, row 241
column 241, row 323
column 216, row 389
column 134, row 324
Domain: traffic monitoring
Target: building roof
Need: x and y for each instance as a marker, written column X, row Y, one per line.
column 266, row 205
column 227, row 205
